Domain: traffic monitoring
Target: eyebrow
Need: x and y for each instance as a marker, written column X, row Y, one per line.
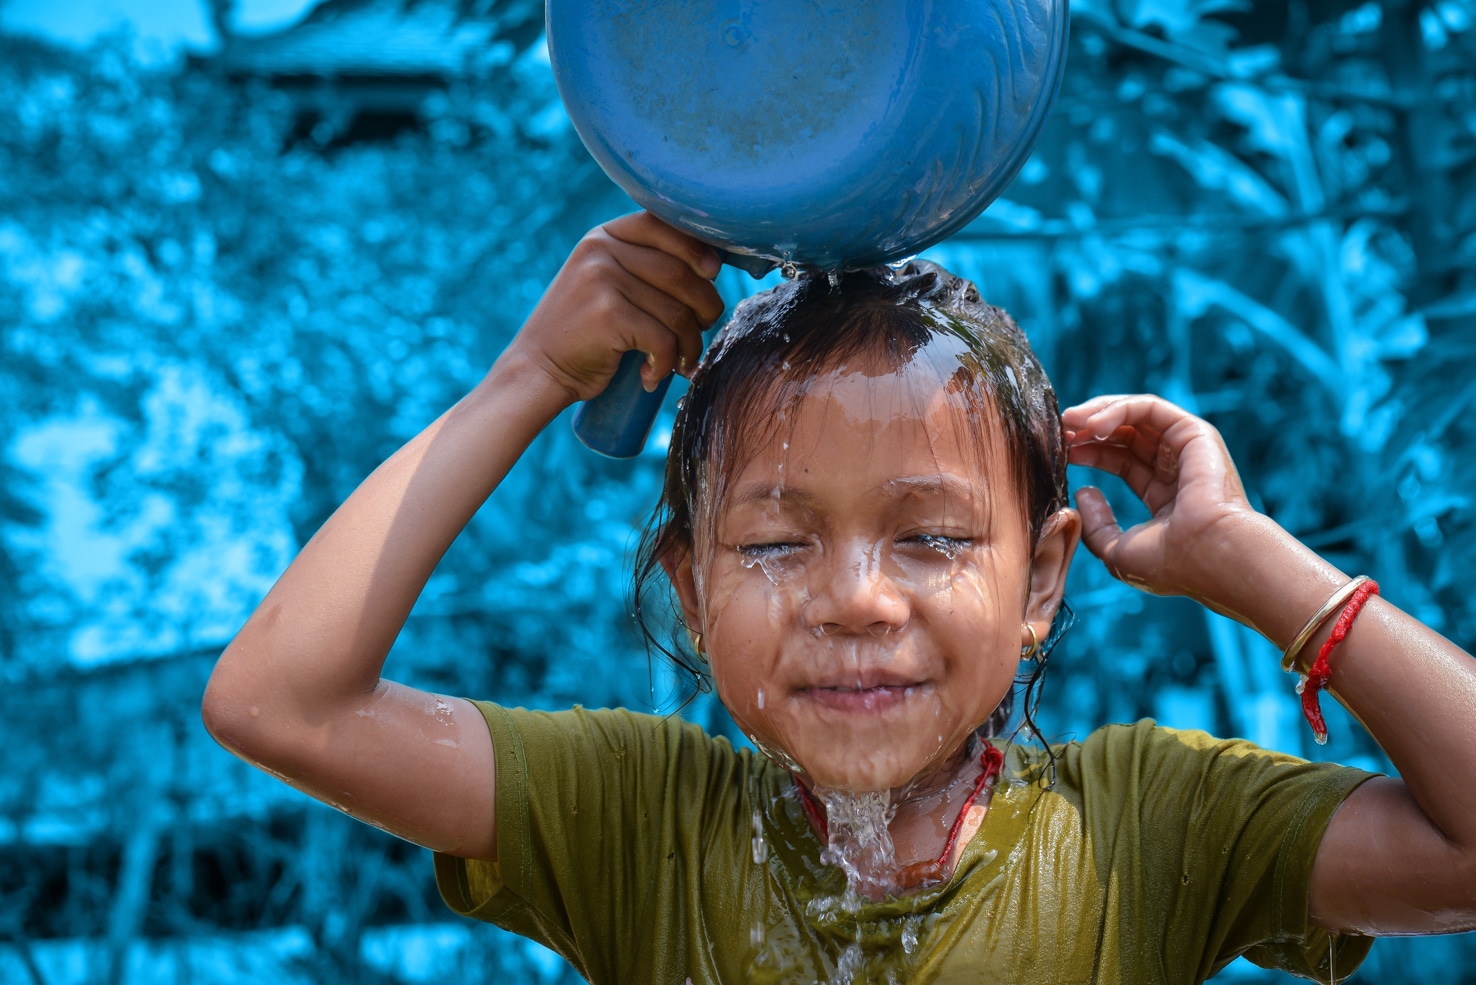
column 911, row 486
column 936, row 484
column 756, row 493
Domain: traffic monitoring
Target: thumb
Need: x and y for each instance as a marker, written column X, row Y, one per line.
column 1099, row 529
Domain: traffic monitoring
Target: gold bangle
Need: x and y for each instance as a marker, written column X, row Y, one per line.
column 1342, row 595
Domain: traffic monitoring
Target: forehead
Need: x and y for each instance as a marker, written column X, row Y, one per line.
column 904, row 432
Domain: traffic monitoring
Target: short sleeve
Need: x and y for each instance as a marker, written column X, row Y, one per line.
column 585, row 830
column 1224, row 834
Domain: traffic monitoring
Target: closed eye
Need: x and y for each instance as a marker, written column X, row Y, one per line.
column 949, row 547
column 775, row 549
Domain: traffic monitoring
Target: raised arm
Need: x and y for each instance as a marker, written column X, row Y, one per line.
column 1399, row 856
column 298, row 692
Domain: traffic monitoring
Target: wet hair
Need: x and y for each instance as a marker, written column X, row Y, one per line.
column 882, row 318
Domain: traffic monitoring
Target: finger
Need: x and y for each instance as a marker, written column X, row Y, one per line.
column 1119, row 461
column 678, row 319
column 1161, row 449
column 1146, row 443
column 1099, row 529
column 1155, row 482
column 644, row 229
column 1165, row 462
column 1074, row 415
column 1138, row 410
column 672, row 276
column 1078, row 416
column 1141, row 441
column 640, row 330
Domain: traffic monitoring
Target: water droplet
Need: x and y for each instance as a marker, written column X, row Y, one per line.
column 946, row 546
column 909, row 933
column 760, row 847
column 755, row 935
column 761, row 697
column 788, row 270
column 848, row 965
column 750, row 561
column 1010, row 375
column 834, row 276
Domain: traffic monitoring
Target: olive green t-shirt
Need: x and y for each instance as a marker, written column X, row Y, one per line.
column 627, row 843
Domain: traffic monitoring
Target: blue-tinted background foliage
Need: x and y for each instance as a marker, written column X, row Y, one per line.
column 227, row 291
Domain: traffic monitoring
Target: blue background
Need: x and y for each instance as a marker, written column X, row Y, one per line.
column 228, row 292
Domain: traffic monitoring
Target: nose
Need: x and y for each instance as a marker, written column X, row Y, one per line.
column 854, row 595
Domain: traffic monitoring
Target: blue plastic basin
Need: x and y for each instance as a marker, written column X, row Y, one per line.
column 820, row 132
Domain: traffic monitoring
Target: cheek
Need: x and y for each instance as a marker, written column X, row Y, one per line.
column 749, row 698
column 745, row 634
column 753, row 619
column 977, row 623
column 746, row 607
column 970, row 595
column 746, row 676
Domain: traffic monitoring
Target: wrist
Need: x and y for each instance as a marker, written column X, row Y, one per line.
column 1268, row 580
column 541, row 392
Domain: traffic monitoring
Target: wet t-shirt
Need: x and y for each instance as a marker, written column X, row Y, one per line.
column 627, row 843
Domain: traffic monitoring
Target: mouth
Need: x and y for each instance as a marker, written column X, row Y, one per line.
column 852, row 698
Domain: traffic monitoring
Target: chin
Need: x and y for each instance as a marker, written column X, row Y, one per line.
column 864, row 768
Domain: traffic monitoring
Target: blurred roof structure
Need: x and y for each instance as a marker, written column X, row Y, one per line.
column 354, row 61
column 386, row 38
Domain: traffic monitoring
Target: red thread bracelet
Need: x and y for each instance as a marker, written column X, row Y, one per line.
column 1320, row 673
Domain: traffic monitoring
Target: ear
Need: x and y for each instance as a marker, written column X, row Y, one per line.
column 1053, row 553
column 677, row 563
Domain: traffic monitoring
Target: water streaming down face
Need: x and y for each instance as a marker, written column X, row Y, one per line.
column 870, row 521
column 778, row 339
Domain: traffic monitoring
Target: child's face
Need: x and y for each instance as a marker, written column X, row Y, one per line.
column 865, row 582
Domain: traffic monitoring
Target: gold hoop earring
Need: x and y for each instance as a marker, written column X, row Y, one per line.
column 1033, row 650
column 697, row 647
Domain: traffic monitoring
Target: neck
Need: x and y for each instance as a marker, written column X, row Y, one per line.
column 909, row 838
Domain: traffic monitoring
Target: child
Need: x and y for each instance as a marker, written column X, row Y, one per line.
column 865, row 522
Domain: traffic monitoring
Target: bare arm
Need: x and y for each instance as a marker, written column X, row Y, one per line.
column 298, row 692
column 1399, row 856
